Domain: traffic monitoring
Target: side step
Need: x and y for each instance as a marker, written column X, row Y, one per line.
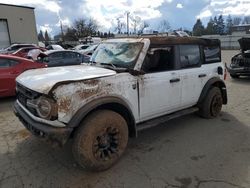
column 163, row 119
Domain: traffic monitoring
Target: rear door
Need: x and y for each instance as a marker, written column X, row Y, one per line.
column 9, row 70
column 193, row 76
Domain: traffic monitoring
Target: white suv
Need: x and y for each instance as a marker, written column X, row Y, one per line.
column 130, row 84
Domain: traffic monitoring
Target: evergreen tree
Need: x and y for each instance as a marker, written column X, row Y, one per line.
column 229, row 25
column 216, row 29
column 46, row 36
column 210, row 27
column 221, row 25
column 198, row 28
column 40, row 36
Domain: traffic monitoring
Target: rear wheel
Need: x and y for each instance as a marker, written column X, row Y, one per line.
column 212, row 104
column 101, row 140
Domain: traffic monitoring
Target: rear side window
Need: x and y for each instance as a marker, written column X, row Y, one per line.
column 212, row 54
column 190, row 56
column 6, row 63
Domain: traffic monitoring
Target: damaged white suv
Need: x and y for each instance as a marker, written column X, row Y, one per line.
column 130, row 84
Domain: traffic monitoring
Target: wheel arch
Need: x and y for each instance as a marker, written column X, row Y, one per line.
column 214, row 82
column 111, row 103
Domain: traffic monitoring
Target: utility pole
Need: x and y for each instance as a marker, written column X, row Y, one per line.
column 128, row 23
column 61, row 30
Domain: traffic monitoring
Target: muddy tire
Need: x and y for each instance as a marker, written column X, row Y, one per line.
column 100, row 140
column 212, row 104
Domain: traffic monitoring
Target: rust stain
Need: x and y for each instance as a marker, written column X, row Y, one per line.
column 23, row 133
column 64, row 104
column 91, row 82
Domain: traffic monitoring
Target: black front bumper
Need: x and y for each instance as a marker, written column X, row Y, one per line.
column 239, row 71
column 56, row 136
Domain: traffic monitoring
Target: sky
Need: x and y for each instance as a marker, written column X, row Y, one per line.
column 179, row 13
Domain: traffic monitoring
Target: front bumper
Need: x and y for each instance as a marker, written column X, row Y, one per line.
column 54, row 135
column 239, row 71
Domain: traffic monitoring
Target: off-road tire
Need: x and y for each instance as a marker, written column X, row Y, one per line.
column 212, row 104
column 100, row 128
column 234, row 76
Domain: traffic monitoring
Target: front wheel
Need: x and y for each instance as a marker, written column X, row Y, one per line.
column 101, row 140
column 212, row 104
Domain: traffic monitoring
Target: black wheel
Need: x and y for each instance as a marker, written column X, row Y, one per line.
column 212, row 104
column 234, row 76
column 101, row 140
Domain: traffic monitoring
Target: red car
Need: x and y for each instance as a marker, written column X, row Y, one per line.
column 23, row 52
column 10, row 68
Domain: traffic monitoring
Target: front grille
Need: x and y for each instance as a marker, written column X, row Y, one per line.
column 24, row 94
column 241, row 61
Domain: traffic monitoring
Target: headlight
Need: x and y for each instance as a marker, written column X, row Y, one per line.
column 46, row 108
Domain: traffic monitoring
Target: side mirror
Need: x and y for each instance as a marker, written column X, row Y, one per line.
column 220, row 70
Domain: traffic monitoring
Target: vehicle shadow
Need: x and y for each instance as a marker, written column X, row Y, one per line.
column 6, row 103
column 241, row 80
column 188, row 151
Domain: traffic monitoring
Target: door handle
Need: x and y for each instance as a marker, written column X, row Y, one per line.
column 174, row 80
column 202, row 75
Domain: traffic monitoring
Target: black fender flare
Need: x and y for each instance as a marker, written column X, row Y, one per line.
column 214, row 82
column 113, row 103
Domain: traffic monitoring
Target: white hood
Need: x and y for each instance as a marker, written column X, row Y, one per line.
column 42, row 80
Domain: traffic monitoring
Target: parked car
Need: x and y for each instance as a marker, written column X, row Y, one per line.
column 240, row 63
column 54, row 47
column 56, row 58
column 81, row 47
column 90, row 50
column 15, row 47
column 23, row 52
column 10, row 68
column 133, row 84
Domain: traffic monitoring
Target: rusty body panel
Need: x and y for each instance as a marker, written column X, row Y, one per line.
column 71, row 97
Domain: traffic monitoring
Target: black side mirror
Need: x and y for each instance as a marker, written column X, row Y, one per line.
column 220, row 70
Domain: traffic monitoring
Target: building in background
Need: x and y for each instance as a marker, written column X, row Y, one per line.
column 17, row 25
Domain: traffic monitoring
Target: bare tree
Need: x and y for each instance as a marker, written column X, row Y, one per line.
column 143, row 26
column 164, row 26
column 246, row 20
column 136, row 22
column 237, row 21
column 120, row 26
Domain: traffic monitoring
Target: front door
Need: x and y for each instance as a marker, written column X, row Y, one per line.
column 160, row 87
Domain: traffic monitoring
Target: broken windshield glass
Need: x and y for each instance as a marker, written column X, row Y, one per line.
column 117, row 54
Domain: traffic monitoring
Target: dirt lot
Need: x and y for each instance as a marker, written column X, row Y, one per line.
column 188, row 152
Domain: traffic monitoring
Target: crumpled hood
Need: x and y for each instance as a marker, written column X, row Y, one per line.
column 42, row 80
column 244, row 44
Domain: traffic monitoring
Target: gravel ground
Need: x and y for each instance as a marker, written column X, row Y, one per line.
column 188, row 152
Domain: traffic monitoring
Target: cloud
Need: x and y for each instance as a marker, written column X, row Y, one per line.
column 179, row 5
column 50, row 5
column 45, row 27
column 226, row 7
column 106, row 12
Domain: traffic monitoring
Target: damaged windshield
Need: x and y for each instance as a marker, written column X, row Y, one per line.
column 117, row 54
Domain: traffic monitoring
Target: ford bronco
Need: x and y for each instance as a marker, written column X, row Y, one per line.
column 130, row 84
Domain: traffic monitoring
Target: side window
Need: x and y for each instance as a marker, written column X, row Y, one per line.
column 57, row 55
column 212, row 54
column 190, row 56
column 159, row 60
column 6, row 63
